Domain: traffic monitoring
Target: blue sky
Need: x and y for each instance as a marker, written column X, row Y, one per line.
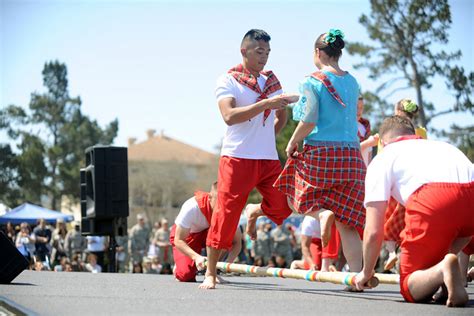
column 154, row 64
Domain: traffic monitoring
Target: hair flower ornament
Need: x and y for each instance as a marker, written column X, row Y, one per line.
column 332, row 34
column 410, row 107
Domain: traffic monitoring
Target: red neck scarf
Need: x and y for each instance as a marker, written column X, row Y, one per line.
column 244, row 77
column 404, row 137
column 366, row 125
column 204, row 203
column 324, row 79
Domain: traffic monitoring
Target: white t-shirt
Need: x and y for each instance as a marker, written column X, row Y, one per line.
column 93, row 269
column 404, row 166
column 191, row 217
column 95, row 243
column 310, row 227
column 250, row 139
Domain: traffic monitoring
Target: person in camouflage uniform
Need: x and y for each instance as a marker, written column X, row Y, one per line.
column 139, row 240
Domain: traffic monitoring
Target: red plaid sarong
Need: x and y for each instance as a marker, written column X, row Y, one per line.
column 394, row 221
column 326, row 177
column 321, row 76
column 244, row 77
column 366, row 125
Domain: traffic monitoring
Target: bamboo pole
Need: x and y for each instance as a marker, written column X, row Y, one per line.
column 346, row 278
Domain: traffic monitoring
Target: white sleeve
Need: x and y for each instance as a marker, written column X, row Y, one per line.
column 378, row 180
column 187, row 214
column 225, row 88
column 306, row 227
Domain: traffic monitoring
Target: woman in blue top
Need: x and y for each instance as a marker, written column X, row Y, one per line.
column 329, row 173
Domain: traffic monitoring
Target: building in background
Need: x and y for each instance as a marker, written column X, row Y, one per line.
column 163, row 173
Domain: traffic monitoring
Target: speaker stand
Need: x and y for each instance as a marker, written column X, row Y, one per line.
column 112, row 246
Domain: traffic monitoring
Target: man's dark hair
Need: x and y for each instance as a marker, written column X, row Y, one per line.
column 396, row 126
column 256, row 35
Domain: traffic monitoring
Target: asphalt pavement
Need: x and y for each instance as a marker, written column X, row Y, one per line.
column 73, row 293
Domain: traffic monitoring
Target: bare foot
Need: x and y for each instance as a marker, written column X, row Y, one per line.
column 441, row 296
column 221, row 280
column 209, row 283
column 391, row 261
column 332, row 268
column 457, row 295
column 252, row 212
column 326, row 219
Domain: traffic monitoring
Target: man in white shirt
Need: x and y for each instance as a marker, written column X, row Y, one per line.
column 97, row 246
column 311, row 247
column 315, row 257
column 435, row 182
column 251, row 105
column 188, row 235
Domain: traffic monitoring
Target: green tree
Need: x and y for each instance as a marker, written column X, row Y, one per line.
column 377, row 108
column 32, row 169
column 51, row 138
column 463, row 138
column 406, row 34
column 9, row 190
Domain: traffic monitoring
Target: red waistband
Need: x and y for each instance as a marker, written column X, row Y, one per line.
column 447, row 185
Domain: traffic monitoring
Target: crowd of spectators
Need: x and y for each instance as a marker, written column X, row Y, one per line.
column 60, row 249
column 275, row 246
column 145, row 249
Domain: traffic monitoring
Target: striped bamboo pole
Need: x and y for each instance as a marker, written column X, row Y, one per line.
column 346, row 278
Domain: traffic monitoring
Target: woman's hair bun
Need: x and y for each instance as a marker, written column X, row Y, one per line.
column 338, row 43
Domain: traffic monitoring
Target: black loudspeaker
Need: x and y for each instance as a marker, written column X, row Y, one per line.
column 106, row 180
column 104, row 191
column 110, row 227
column 12, row 262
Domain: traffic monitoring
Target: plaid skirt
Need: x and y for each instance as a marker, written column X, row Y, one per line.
column 326, row 177
column 394, row 221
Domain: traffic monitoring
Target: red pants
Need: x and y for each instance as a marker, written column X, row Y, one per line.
column 236, row 179
column 334, row 244
column 332, row 249
column 316, row 250
column 185, row 269
column 436, row 214
column 330, row 252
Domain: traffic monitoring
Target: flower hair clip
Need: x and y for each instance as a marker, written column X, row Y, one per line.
column 410, row 106
column 332, row 34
